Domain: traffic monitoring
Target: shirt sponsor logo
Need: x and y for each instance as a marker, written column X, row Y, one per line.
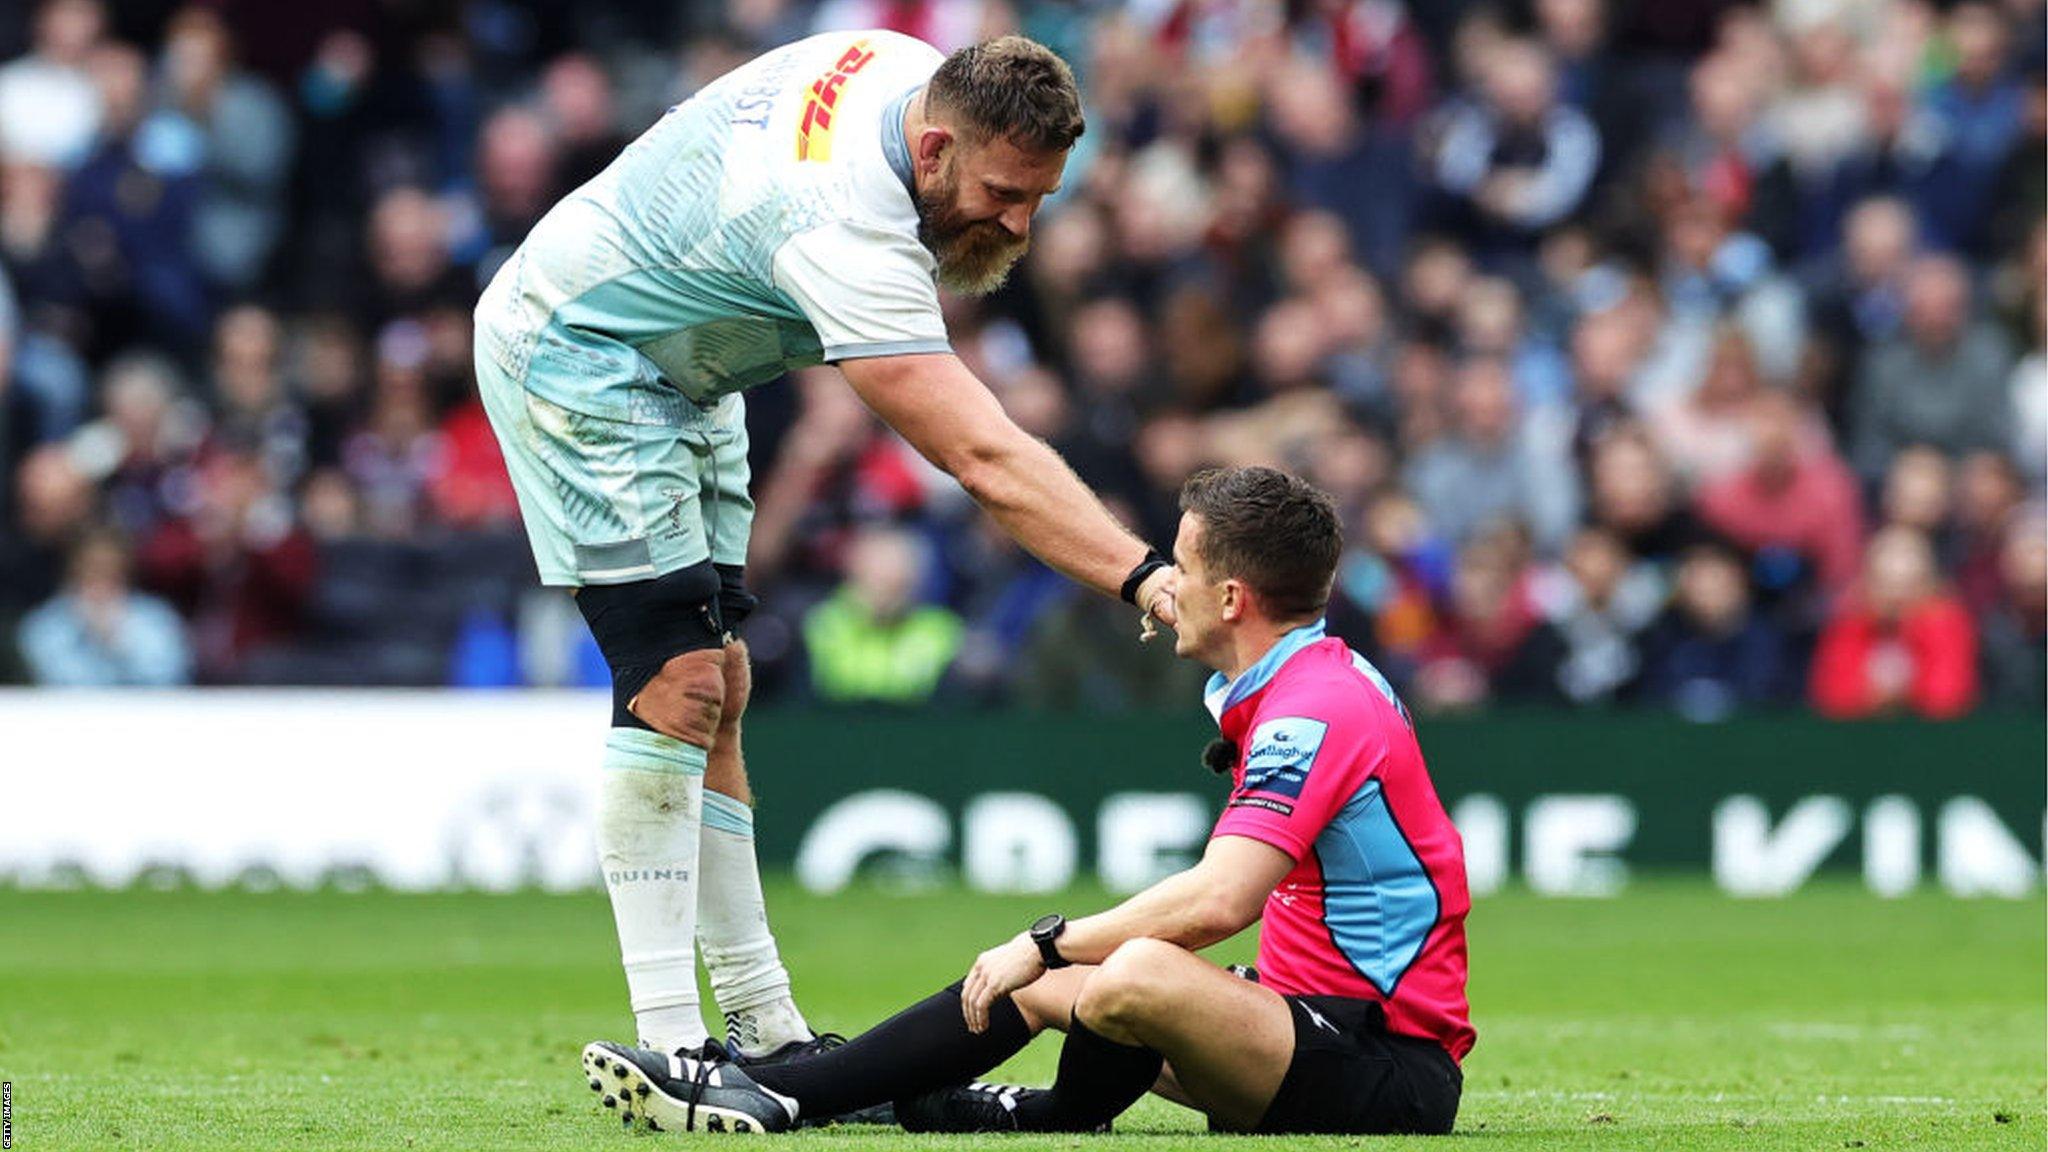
column 814, row 131
column 1282, row 752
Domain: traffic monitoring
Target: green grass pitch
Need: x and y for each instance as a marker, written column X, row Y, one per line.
column 1670, row 1018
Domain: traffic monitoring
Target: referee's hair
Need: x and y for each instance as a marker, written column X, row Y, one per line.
column 1014, row 88
column 1277, row 533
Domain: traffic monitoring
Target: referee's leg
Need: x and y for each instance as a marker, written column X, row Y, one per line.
column 1227, row 1041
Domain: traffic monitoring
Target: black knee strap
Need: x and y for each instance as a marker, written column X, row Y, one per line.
column 735, row 603
column 642, row 625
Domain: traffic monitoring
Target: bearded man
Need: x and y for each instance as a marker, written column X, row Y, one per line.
column 802, row 209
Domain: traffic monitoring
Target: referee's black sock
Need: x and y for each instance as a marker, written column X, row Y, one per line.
column 1097, row 1080
column 923, row 1047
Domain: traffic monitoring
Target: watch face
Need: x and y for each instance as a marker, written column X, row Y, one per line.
column 1045, row 925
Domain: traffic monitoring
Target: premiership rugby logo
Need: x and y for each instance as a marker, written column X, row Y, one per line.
column 814, row 131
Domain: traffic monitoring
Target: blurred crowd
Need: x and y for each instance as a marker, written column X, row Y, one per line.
column 1683, row 354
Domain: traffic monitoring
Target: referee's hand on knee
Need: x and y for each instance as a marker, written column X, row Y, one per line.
column 998, row 972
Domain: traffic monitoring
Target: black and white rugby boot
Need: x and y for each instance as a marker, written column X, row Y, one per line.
column 819, row 1044
column 975, row 1107
column 683, row 1091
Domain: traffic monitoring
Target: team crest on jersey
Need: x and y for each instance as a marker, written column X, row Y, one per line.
column 814, row 131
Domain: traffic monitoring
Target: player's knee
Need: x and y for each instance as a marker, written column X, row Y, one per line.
column 1131, row 983
column 739, row 686
column 686, row 699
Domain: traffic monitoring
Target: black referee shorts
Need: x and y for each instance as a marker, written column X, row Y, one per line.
column 1351, row 1076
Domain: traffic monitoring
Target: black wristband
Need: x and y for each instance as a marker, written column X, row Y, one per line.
column 1152, row 562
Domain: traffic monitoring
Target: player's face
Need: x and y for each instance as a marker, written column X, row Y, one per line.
column 1197, row 599
column 974, row 214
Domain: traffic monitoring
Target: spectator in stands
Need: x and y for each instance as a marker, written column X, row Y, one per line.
column 1705, row 434
column 100, row 633
column 1728, row 155
column 517, row 171
column 249, row 390
column 581, row 108
column 1491, row 322
column 1943, row 382
column 53, row 504
column 1519, row 160
column 18, row 419
column 1595, row 609
column 1904, row 152
column 2029, row 392
column 395, row 457
column 1713, row 275
column 239, row 567
column 142, row 450
column 1606, row 349
column 1492, row 465
column 2015, row 628
column 1795, row 500
column 1981, row 108
column 1476, row 653
column 410, row 268
column 871, row 641
column 128, row 215
column 1918, row 493
column 247, row 141
column 1389, row 581
column 49, row 107
column 1988, row 497
column 1334, row 161
column 1900, row 643
column 1634, row 496
column 1861, row 300
column 1982, row 103
column 1711, row 652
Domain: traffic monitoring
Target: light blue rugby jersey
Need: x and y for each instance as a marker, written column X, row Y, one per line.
column 763, row 225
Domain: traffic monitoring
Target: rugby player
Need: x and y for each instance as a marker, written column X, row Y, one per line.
column 796, row 211
column 1355, row 1018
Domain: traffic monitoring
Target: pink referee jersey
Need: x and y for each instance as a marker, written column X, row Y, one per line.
column 1329, row 772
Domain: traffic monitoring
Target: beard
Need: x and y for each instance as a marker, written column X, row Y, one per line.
column 974, row 256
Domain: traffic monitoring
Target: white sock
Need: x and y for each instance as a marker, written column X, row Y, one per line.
column 647, row 816
column 747, row 975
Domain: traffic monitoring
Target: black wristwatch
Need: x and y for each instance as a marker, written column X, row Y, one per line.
column 1045, row 932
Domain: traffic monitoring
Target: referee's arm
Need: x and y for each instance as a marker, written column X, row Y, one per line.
column 955, row 422
column 1219, row 897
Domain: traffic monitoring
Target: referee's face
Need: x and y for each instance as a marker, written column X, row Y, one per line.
column 1197, row 600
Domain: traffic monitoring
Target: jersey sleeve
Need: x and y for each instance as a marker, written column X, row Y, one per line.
column 1299, row 771
column 868, row 291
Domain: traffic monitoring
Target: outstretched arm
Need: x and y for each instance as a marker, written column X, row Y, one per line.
column 956, row 423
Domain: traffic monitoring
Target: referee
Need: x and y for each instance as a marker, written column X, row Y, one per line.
column 1333, row 839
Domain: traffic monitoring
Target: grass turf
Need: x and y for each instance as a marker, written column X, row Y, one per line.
column 1671, row 1018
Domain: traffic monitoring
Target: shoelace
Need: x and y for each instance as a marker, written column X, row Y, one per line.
column 700, row 1079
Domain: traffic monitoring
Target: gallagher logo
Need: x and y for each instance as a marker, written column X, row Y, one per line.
column 814, row 131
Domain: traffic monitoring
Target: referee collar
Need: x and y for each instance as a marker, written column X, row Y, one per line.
column 894, row 148
column 1223, row 693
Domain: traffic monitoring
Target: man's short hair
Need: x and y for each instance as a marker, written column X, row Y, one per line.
column 1277, row 533
column 1014, row 88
